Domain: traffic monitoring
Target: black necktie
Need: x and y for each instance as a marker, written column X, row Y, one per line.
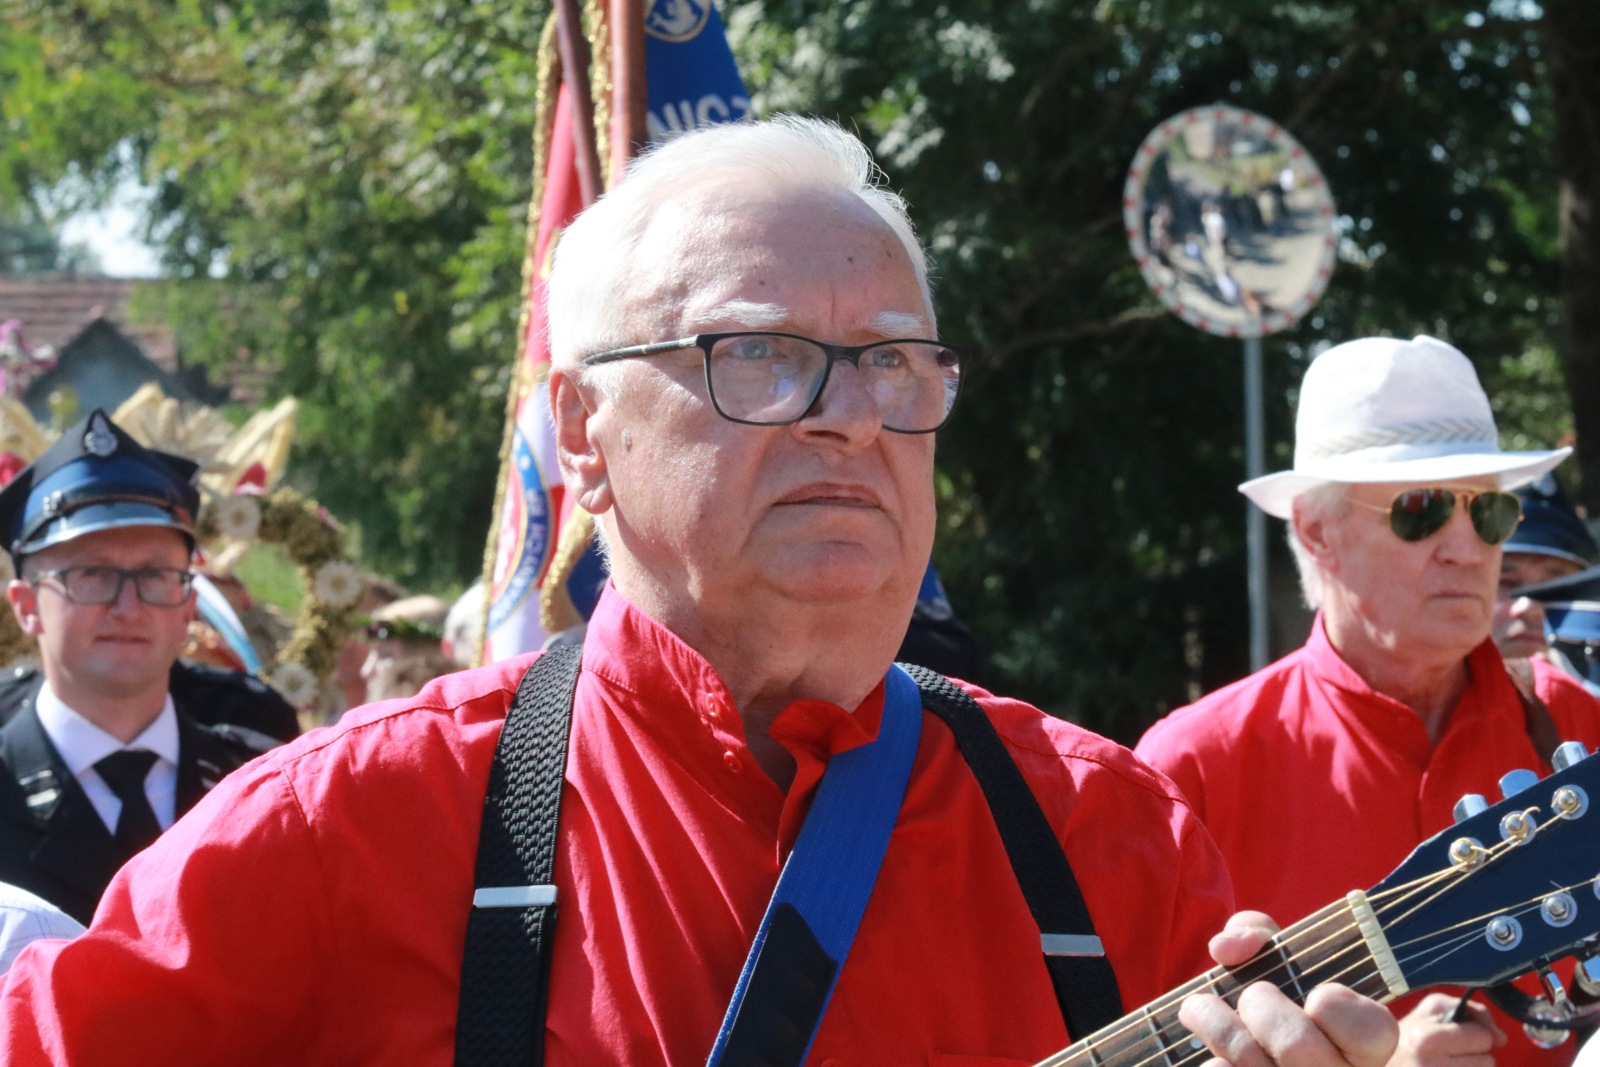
column 125, row 773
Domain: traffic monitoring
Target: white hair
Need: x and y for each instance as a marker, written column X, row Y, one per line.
column 1324, row 501
column 588, row 279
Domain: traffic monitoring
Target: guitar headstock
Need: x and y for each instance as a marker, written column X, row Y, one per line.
column 1509, row 888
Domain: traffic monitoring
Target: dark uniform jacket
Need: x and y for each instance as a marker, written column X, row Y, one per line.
column 208, row 695
column 52, row 841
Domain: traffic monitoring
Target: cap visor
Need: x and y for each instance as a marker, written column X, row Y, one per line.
column 112, row 515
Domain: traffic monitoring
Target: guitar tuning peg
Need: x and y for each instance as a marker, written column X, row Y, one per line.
column 1514, row 782
column 1587, row 975
column 1554, row 1006
column 1567, row 753
column 1470, row 805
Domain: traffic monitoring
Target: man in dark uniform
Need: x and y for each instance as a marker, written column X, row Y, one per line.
column 208, row 694
column 112, row 744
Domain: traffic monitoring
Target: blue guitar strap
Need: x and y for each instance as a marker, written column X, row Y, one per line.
column 822, row 893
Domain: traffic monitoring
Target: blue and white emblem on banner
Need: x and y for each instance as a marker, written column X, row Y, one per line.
column 524, row 538
column 689, row 71
column 676, row 20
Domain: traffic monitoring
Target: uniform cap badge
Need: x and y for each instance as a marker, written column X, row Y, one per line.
column 98, row 440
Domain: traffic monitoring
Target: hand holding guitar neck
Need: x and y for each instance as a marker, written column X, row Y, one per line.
column 1510, row 888
column 1263, row 1026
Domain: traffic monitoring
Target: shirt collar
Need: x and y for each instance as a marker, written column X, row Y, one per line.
column 82, row 744
column 1326, row 662
column 1483, row 662
column 634, row 652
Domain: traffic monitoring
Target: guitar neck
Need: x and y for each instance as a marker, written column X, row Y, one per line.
column 1341, row 943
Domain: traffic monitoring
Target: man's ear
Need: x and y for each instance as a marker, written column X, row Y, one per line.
column 575, row 409
column 24, row 600
column 1314, row 528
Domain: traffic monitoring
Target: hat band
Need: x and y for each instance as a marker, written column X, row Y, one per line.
column 1437, row 431
column 59, row 505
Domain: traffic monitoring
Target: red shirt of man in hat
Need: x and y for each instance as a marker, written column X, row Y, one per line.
column 1320, row 773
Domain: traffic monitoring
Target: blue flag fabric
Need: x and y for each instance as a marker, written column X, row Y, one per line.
column 691, row 80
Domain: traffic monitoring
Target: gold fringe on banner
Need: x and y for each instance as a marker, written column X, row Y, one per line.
column 600, row 87
column 556, row 610
column 544, row 118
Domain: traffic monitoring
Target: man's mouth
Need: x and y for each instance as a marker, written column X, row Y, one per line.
column 832, row 494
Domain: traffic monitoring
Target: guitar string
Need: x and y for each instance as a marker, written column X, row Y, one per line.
column 1389, row 899
column 1210, row 982
column 1163, row 1032
column 1490, row 855
column 1384, row 902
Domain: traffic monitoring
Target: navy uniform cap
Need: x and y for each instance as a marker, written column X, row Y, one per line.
column 1550, row 525
column 96, row 477
column 1572, row 621
column 1571, row 605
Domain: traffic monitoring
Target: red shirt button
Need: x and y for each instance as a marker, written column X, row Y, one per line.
column 731, row 758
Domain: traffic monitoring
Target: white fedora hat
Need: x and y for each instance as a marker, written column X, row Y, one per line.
column 1385, row 410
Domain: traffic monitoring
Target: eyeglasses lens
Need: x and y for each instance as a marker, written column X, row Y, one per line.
column 1495, row 516
column 157, row 586
column 772, row 379
column 1420, row 513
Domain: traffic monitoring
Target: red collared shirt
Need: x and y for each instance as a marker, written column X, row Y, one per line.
column 1314, row 785
column 313, row 908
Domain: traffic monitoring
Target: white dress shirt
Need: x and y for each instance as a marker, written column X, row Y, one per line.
column 24, row 918
column 82, row 744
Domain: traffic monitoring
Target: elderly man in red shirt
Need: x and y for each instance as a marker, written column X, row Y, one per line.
column 746, row 382
column 1321, row 772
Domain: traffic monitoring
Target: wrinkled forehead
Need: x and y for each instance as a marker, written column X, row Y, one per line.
column 811, row 261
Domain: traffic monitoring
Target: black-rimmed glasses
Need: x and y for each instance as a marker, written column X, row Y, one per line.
column 773, row 379
column 162, row 587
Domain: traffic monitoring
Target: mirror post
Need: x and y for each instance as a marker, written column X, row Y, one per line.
column 1232, row 225
column 1255, row 452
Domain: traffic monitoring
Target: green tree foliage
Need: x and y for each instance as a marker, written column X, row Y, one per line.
column 1092, row 531
column 341, row 190
column 29, row 244
column 356, row 172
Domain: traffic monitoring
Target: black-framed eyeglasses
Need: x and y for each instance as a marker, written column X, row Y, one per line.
column 162, row 587
column 773, row 379
column 1420, row 513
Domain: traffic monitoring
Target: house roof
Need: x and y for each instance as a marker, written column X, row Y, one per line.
column 55, row 309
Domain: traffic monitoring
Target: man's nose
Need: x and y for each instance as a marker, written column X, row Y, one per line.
column 127, row 598
column 1529, row 611
column 845, row 408
column 1459, row 539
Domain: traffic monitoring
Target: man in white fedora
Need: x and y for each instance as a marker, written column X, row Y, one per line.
column 1320, row 773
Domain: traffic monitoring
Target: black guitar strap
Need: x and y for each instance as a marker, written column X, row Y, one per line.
column 505, row 966
column 1086, row 987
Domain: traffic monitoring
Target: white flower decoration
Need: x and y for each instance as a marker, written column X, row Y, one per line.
column 337, row 584
column 238, row 518
column 295, row 681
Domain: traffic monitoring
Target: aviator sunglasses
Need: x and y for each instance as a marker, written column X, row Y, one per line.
column 1420, row 513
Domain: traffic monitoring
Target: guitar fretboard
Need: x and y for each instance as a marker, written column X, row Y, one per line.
column 1341, row 943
